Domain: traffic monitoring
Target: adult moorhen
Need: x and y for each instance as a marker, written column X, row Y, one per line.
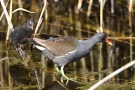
column 20, row 34
column 64, row 49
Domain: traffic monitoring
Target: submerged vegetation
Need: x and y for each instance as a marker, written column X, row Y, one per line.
column 76, row 18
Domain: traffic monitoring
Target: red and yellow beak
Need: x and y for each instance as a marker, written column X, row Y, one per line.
column 108, row 41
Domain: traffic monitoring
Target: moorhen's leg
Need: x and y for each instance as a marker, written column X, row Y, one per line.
column 15, row 47
column 57, row 69
column 63, row 75
column 22, row 53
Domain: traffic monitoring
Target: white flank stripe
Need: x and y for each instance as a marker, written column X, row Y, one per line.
column 65, row 54
column 40, row 47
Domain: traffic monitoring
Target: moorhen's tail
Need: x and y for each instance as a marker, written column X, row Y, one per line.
column 32, row 43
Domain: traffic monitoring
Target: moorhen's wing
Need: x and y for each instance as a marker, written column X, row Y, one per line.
column 58, row 46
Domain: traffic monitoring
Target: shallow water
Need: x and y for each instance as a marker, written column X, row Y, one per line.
column 38, row 72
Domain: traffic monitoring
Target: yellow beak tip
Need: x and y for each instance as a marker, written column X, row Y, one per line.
column 110, row 43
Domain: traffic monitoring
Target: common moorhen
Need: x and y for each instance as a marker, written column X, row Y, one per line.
column 64, row 49
column 20, row 34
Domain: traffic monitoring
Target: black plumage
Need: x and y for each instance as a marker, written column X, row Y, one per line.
column 64, row 49
column 20, row 34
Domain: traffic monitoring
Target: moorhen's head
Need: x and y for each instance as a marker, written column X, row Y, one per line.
column 30, row 23
column 103, row 38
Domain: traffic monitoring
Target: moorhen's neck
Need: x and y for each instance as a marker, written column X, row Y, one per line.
column 90, row 42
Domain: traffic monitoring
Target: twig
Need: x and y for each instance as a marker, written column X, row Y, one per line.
column 61, row 85
column 46, row 15
column 101, row 15
column 37, row 27
column 1, row 84
column 39, row 20
column 10, row 18
column 37, row 79
column 22, row 10
column 112, row 75
column 104, row 3
column 89, row 8
column 10, row 26
column 112, row 6
column 130, row 25
column 3, row 11
column 121, row 38
column 79, row 4
column 3, row 59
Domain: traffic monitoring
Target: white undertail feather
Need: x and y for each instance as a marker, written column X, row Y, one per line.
column 40, row 47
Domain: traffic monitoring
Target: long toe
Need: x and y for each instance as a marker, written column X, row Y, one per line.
column 63, row 75
column 57, row 69
column 67, row 80
column 22, row 54
column 61, row 79
column 17, row 51
column 15, row 47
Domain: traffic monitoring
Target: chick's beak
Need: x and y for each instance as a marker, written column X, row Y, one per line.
column 108, row 41
column 31, row 27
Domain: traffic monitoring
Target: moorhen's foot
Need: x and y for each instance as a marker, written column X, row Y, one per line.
column 18, row 51
column 61, row 79
column 22, row 53
column 57, row 69
column 15, row 47
column 63, row 75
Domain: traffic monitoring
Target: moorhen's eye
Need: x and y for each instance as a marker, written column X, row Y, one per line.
column 31, row 23
column 103, row 38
